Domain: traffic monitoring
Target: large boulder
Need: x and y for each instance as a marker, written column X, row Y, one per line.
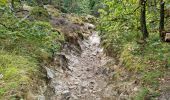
column 167, row 37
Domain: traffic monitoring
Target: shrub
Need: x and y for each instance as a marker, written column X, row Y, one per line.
column 39, row 13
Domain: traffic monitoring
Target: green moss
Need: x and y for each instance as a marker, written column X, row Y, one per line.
column 16, row 70
column 142, row 94
column 52, row 11
column 23, row 45
column 75, row 18
column 39, row 13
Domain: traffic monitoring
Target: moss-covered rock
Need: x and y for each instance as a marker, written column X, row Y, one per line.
column 39, row 13
column 75, row 19
column 89, row 18
column 52, row 11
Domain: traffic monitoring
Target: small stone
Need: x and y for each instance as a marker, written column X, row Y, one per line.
column 85, row 90
column 91, row 82
column 74, row 97
column 135, row 89
column 115, row 67
column 79, row 75
column 88, row 69
column 84, row 84
column 90, row 91
column 89, row 76
column 76, row 83
column 41, row 97
column 1, row 76
column 66, row 95
column 79, row 96
column 94, row 91
column 123, row 97
column 72, row 87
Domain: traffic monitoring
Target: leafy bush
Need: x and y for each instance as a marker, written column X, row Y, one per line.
column 26, row 36
column 119, row 26
column 3, row 2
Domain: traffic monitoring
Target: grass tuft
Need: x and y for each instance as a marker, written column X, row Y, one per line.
column 16, row 71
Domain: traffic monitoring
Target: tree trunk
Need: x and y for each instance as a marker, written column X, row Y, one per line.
column 161, row 24
column 12, row 5
column 143, row 19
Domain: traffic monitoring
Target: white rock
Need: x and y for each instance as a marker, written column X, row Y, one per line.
column 135, row 89
column 41, row 97
column 167, row 36
column 76, row 83
column 89, row 26
column 1, row 76
column 74, row 97
column 26, row 7
column 50, row 73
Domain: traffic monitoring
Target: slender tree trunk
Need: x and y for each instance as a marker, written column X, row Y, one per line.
column 161, row 24
column 143, row 19
column 12, row 5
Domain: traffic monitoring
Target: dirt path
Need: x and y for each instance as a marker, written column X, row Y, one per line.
column 165, row 87
column 88, row 79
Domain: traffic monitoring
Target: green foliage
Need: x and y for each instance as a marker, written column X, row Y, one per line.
column 26, row 36
column 53, row 11
column 16, row 70
column 116, row 23
column 120, row 34
column 151, row 78
column 146, row 94
column 119, row 22
column 39, row 13
column 142, row 94
column 70, row 6
column 3, row 2
column 130, row 60
column 77, row 6
column 21, row 44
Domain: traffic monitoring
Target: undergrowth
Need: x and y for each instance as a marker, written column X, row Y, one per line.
column 24, row 45
column 17, row 72
column 121, row 38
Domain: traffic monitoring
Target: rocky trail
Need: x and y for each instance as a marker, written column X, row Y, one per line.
column 88, row 77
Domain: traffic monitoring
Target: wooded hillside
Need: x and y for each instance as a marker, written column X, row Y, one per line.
column 84, row 50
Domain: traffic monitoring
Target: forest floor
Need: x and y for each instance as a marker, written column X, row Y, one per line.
column 165, row 87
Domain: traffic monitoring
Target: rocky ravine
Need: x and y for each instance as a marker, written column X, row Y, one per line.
column 88, row 77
